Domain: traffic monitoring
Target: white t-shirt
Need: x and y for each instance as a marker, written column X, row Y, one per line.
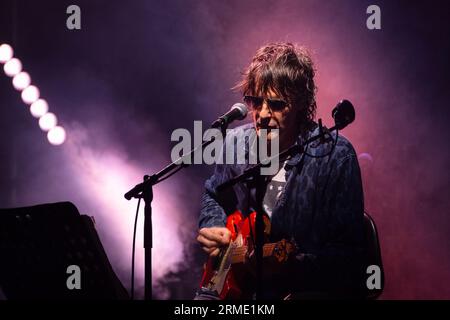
column 274, row 190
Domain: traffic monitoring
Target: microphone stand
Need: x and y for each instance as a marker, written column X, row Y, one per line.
column 289, row 152
column 343, row 114
column 253, row 177
column 144, row 190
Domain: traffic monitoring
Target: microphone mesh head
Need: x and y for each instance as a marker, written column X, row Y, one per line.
column 343, row 114
column 242, row 109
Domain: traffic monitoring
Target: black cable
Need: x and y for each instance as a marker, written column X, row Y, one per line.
column 170, row 174
column 134, row 247
column 328, row 153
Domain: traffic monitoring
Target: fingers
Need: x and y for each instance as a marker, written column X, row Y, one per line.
column 213, row 252
column 214, row 236
column 226, row 236
column 207, row 243
column 219, row 235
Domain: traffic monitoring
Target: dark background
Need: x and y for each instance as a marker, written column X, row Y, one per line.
column 137, row 70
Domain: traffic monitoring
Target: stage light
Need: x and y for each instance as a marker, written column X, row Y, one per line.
column 39, row 108
column 48, row 121
column 12, row 67
column 6, row 53
column 21, row 80
column 30, row 94
column 56, row 136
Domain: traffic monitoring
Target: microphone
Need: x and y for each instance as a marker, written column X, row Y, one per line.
column 237, row 112
column 343, row 114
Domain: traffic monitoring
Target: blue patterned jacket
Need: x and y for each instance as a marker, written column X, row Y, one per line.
column 321, row 209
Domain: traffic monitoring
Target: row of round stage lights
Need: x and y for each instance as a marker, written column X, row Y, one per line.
column 21, row 80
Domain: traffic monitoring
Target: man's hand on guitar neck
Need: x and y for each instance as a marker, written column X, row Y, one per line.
column 213, row 238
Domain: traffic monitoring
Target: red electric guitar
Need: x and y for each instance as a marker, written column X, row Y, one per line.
column 227, row 274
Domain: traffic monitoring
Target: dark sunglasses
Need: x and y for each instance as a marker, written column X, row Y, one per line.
column 256, row 103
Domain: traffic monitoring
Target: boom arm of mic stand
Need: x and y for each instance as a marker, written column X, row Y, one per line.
column 252, row 171
column 145, row 190
column 136, row 191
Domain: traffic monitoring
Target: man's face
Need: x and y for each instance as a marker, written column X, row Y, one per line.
column 272, row 113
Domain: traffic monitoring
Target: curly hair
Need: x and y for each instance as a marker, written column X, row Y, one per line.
column 288, row 70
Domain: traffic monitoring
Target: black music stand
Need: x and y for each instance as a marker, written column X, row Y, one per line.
column 38, row 243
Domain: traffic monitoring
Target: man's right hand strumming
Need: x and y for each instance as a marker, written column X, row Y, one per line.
column 212, row 239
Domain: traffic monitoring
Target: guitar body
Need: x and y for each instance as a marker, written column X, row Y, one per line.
column 227, row 274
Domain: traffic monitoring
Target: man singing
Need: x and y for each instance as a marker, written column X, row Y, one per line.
column 315, row 199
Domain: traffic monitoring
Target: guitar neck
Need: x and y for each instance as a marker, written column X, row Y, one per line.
column 239, row 254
